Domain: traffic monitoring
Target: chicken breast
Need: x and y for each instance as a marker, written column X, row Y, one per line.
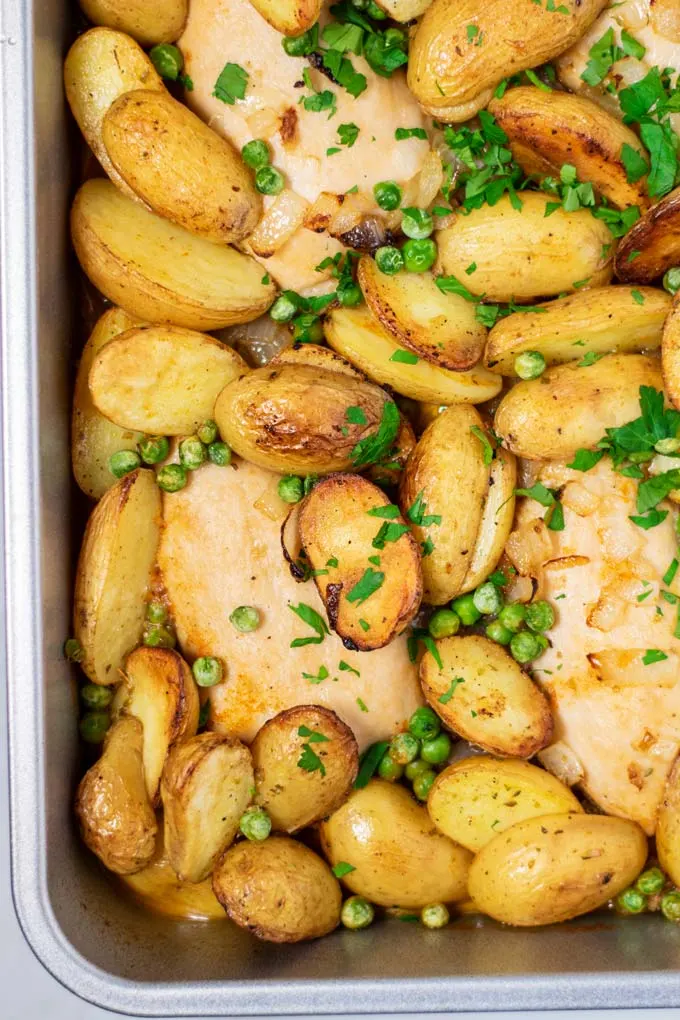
column 219, row 551
column 603, row 576
column 223, row 31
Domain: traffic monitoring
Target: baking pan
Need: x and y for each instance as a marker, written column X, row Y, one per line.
column 100, row 945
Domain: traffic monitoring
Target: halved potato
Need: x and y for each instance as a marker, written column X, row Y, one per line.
column 496, row 521
column 292, row 17
column 180, row 167
column 316, row 357
column 102, row 65
column 481, row 693
column 570, row 405
column 340, row 523
column 359, row 337
column 670, row 355
column 93, row 437
column 295, row 797
column 668, row 827
column 558, row 127
column 652, row 245
column 399, row 858
column 162, row 380
column 441, row 328
column 149, row 23
column 442, row 492
column 521, row 254
column 404, row 10
column 158, row 888
column 474, row 799
column 207, row 784
column 604, row 320
column 293, row 418
column 158, row 271
column 279, row 890
column 161, row 693
column 118, row 551
column 116, row 818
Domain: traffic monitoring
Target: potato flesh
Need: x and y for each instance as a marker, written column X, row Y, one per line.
column 670, row 355
column 495, row 523
column 291, row 17
column 150, row 24
column 157, row 888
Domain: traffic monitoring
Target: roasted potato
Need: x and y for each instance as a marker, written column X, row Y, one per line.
column 291, row 17
column 293, row 418
column 118, row 551
column 93, row 437
column 670, row 355
column 496, row 521
column 158, row 888
column 521, row 254
column 604, row 320
column 571, row 405
column 548, row 869
column 482, row 694
column 404, row 10
column 149, row 23
column 157, row 271
column 668, row 827
column 316, row 357
column 342, row 521
column 453, row 72
column 161, row 693
column 293, row 796
column 162, row 380
column 207, row 784
column 180, row 167
column 116, row 819
column 475, row 799
column 102, row 65
column 441, row 328
column 548, row 129
column 652, row 245
column 279, row 889
column 399, row 858
column 358, row 336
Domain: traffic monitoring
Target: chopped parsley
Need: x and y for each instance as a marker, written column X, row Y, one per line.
column 416, row 513
column 348, row 134
column 554, row 516
column 487, row 448
column 346, row 668
column 424, row 637
column 355, row 416
column 342, row 868
column 373, row 448
column 447, row 695
column 310, row 761
column 368, row 585
column 401, row 133
column 388, row 513
column 362, row 705
column 313, row 620
column 231, row 84
column 390, row 531
column 405, row 357
column 317, row 678
column 369, row 762
column 653, row 655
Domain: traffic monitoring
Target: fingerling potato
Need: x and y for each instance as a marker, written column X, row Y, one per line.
column 670, row 355
column 475, row 799
column 162, row 380
column 549, row 869
column 316, row 357
column 156, row 887
column 340, row 523
column 102, row 65
column 404, row 10
column 158, row 271
column 399, row 858
column 93, row 437
column 279, row 890
column 668, row 827
column 206, row 786
column 291, row 17
column 496, row 521
column 295, row 797
column 482, row 694
column 571, row 405
column 148, row 23
column 118, row 551
column 652, row 245
column 116, row 818
column 521, row 254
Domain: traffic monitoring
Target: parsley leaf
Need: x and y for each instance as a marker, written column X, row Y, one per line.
column 538, row 492
column 346, row 668
column 342, row 868
column 447, row 695
column 487, row 448
column 584, row 460
column 369, row 762
column 387, row 513
column 416, row 513
column 390, row 531
column 405, row 357
column 231, row 84
column 653, row 655
column 631, row 47
column 313, row 620
column 310, row 761
column 313, row 735
column 401, row 133
column 602, row 55
column 374, row 447
column 635, row 165
column 317, row 678
column 650, row 520
column 369, row 583
column 348, row 134
column 355, row 416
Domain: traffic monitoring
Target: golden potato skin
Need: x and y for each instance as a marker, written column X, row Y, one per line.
column 558, row 128
column 293, row 797
column 570, row 406
column 278, row 889
column 291, row 17
column 399, row 858
column 180, row 167
column 453, row 76
column 149, row 23
column 116, row 818
column 156, row 887
column 668, row 827
column 652, row 245
column 670, row 355
column 549, row 869
column 521, row 254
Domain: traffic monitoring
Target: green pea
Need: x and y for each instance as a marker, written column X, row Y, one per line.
column 291, row 488
column 436, row 749
column 435, row 915
column 207, row 671
column 530, row 364
column 465, row 607
column 255, row 824
column 93, row 726
column 158, row 636
column 417, row 223
column 389, row 260
column 404, row 748
column 387, row 194
column 171, row 478
column 375, row 12
column 73, row 650
column 255, row 153
column 349, row 294
column 422, row 784
column 269, row 181
column 207, row 432
column 245, row 619
column 95, row 696
column 153, row 449
column 444, row 623
column 543, row 643
column 424, row 723
column 651, row 882
column 630, row 901
column 192, row 453
column 390, row 769
column 415, row 768
column 419, row 256
column 671, row 280
column 307, row 329
column 285, row 307
column 487, row 599
column 513, row 616
column 299, row 45
column 524, row 647
column 122, row 462
column 219, row 453
column 156, row 612
column 498, row 633
column 357, row 913
column 167, row 60
column 670, row 905
column 540, row 616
